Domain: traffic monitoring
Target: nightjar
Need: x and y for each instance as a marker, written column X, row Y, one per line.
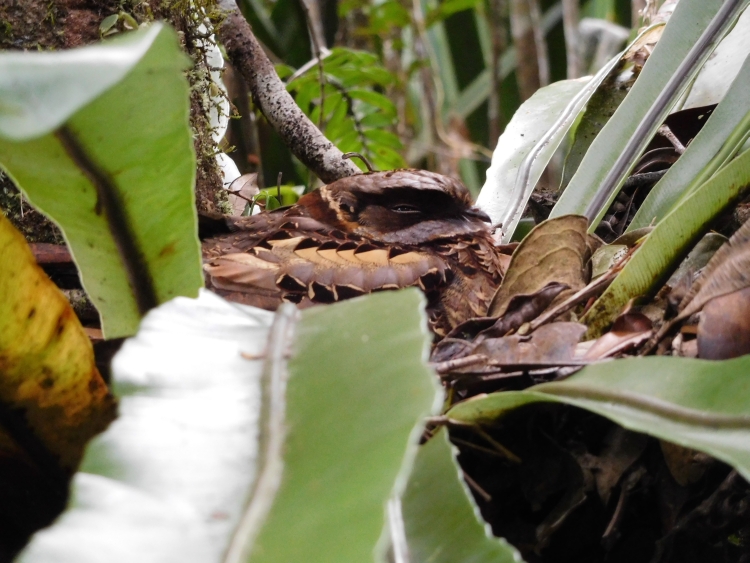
column 364, row 233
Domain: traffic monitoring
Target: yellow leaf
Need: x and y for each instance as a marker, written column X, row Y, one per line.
column 49, row 383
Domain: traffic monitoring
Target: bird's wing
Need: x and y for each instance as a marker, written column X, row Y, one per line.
column 301, row 264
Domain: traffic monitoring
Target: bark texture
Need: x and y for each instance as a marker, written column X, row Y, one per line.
column 303, row 138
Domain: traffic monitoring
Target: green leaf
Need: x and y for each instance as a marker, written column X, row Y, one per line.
column 599, row 109
column 447, row 8
column 223, row 452
column 86, row 139
column 40, row 91
column 169, row 478
column 384, row 17
column 719, row 72
column 441, row 521
column 374, row 99
column 375, row 75
column 288, row 195
column 284, row 71
column 699, row 404
column 358, row 386
column 384, row 138
column 385, row 158
column 332, row 103
column 350, row 142
column 339, row 127
column 664, row 77
column 306, row 92
column 108, row 23
column 704, row 155
column 670, row 242
column 376, row 120
column 527, row 144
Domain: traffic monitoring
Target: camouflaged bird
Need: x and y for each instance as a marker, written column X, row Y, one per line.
column 364, row 233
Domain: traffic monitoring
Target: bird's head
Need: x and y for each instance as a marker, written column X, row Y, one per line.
column 400, row 206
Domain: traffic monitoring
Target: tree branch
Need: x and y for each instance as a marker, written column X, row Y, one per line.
column 269, row 93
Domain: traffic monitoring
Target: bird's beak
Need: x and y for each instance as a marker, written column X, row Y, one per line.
column 476, row 213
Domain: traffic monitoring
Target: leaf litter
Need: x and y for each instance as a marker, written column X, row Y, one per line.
column 582, row 487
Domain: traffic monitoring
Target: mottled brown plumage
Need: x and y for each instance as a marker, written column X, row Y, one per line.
column 365, row 233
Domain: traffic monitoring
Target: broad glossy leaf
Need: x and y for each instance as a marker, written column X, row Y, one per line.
column 115, row 170
column 607, row 98
column 358, row 385
column 525, row 147
column 670, row 242
column 221, row 446
column 698, row 404
column 704, row 155
column 441, row 522
column 622, row 140
column 717, row 75
column 531, row 139
column 168, row 480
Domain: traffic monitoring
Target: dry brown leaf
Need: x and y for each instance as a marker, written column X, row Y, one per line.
column 556, row 250
column 550, row 344
column 241, row 191
column 724, row 327
column 727, row 271
column 622, row 449
column 686, row 466
column 628, row 330
column 522, row 309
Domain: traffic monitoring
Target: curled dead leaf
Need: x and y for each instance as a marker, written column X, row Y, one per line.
column 724, row 326
column 726, row 272
column 629, row 330
column 242, row 191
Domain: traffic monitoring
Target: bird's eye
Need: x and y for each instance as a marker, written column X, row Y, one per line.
column 405, row 208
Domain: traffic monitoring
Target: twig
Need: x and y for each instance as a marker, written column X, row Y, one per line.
column 643, row 179
column 269, row 94
column 499, row 448
column 476, row 488
column 477, row 447
column 596, row 286
column 308, row 65
column 447, row 366
column 362, row 158
column 666, row 132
